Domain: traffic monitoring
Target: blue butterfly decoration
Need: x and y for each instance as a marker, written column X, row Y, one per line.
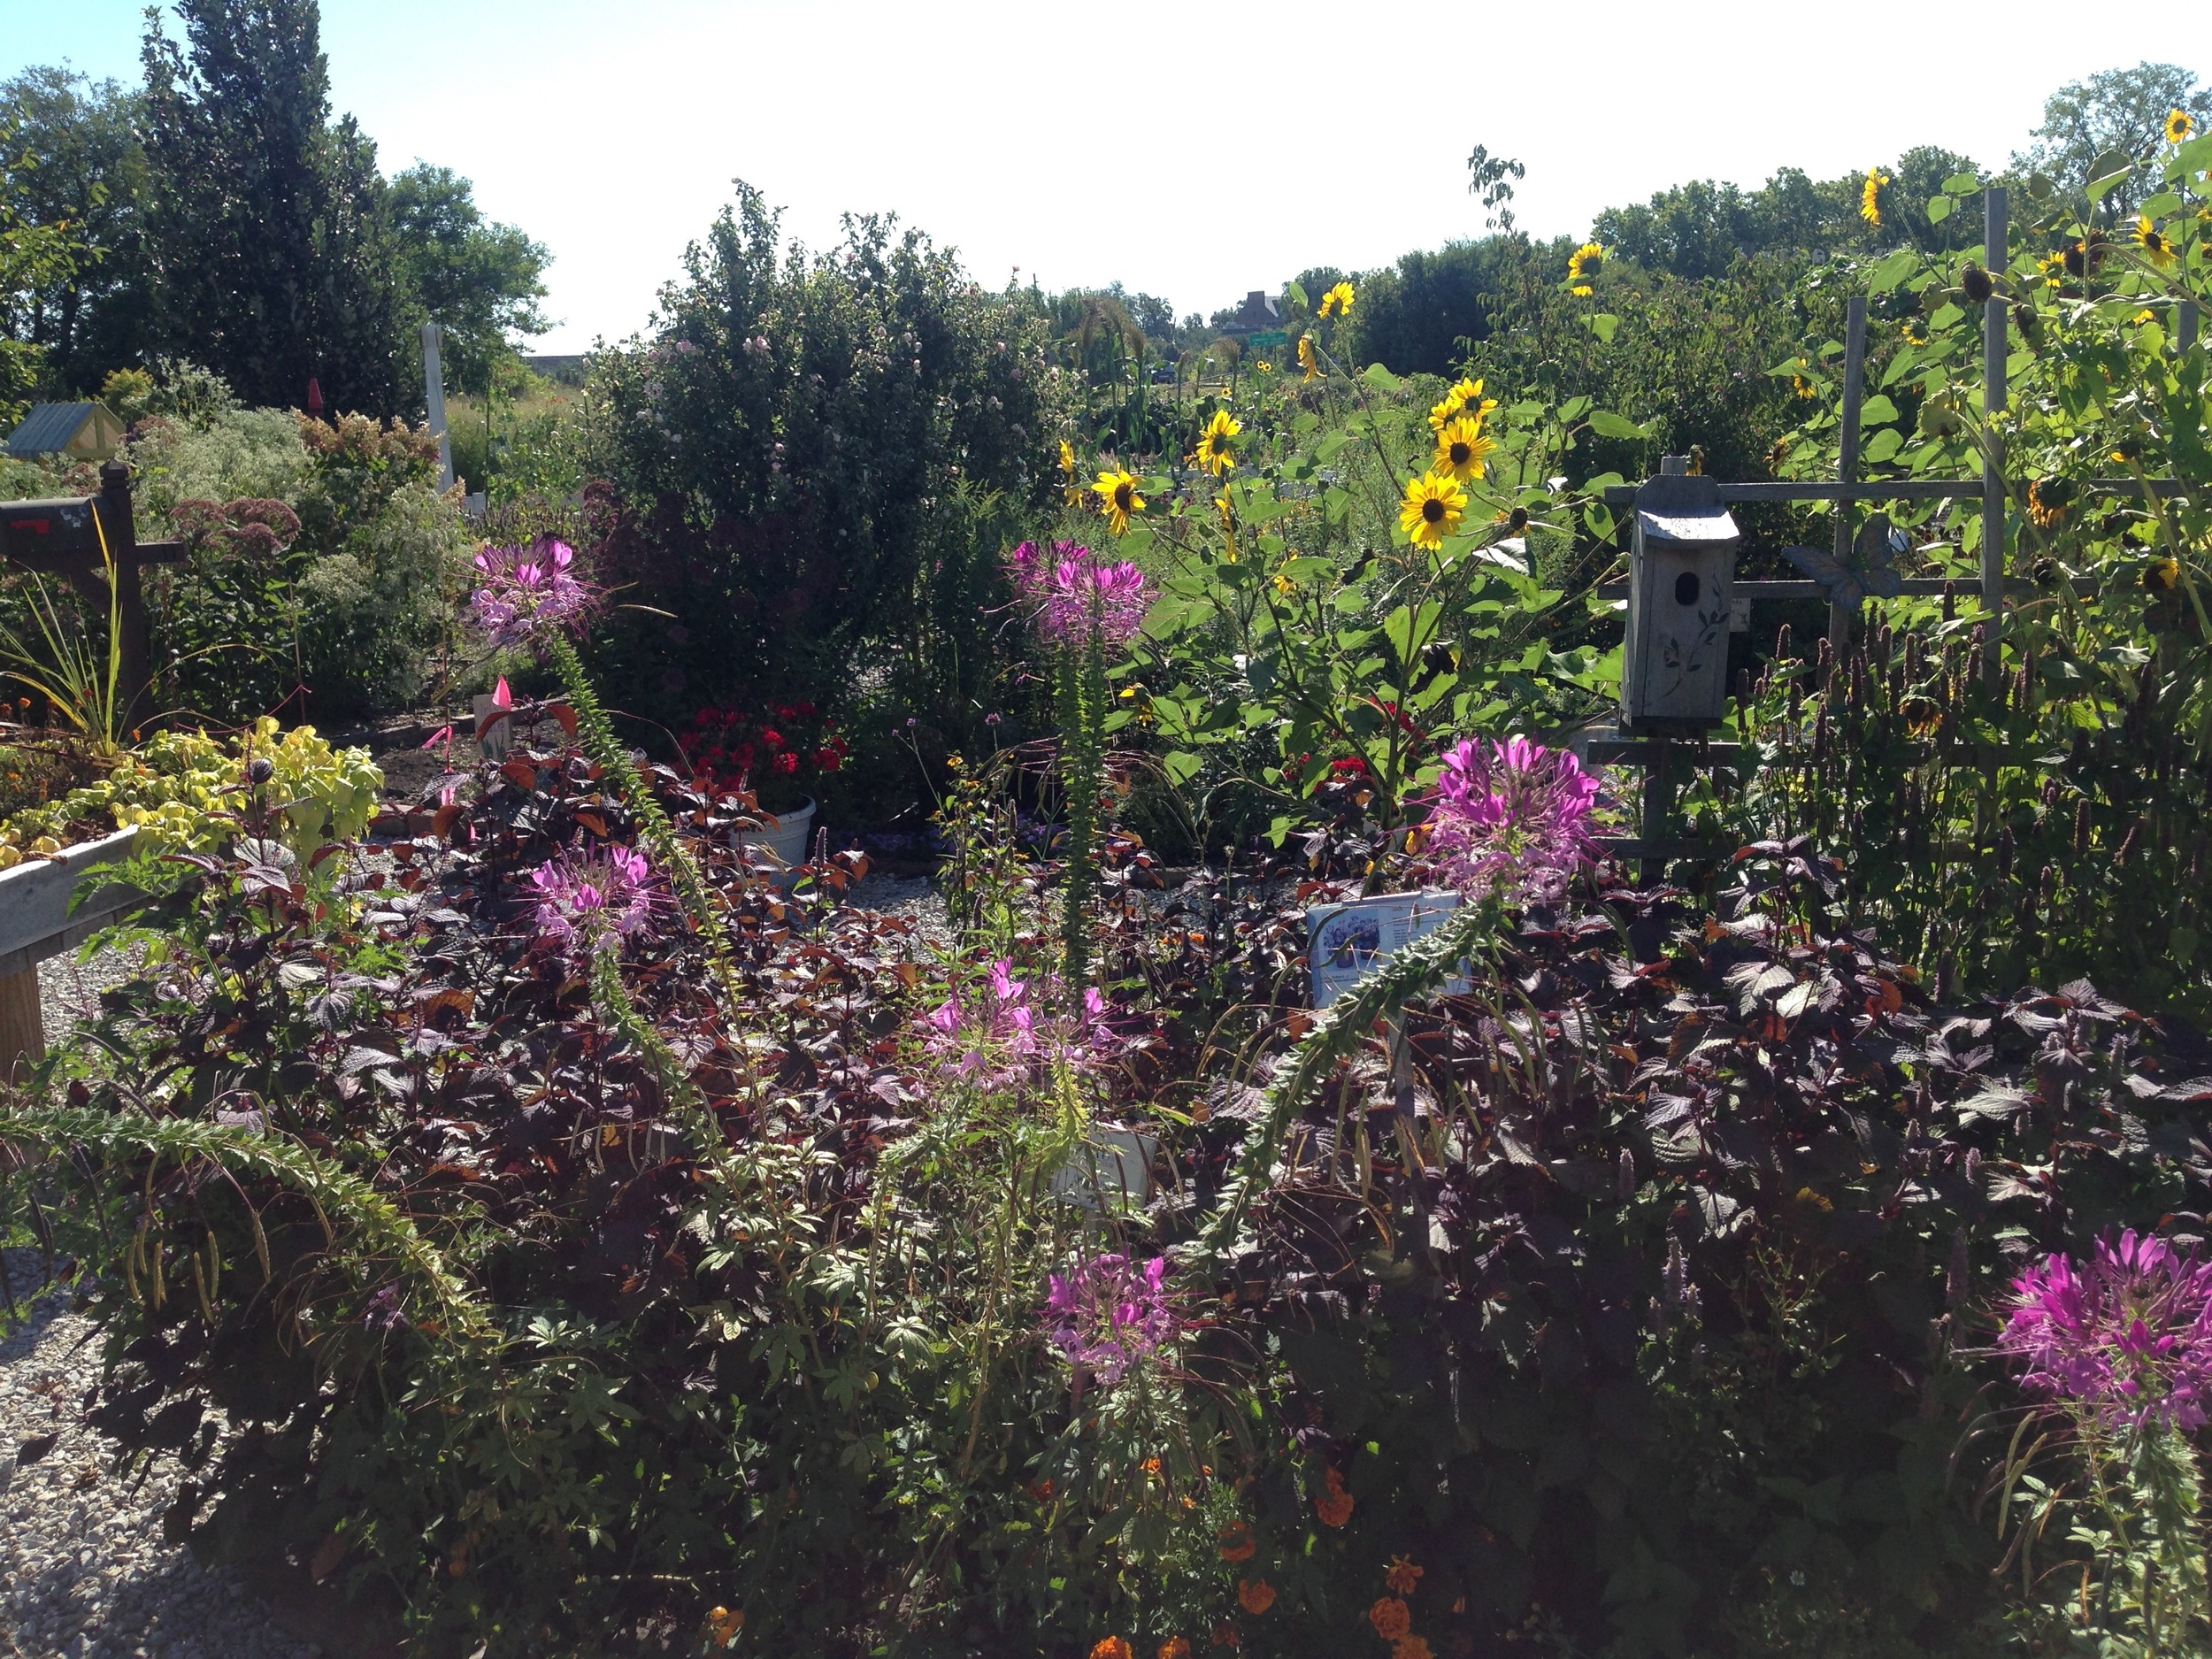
column 1869, row 571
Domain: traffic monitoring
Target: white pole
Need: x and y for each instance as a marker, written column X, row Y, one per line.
column 434, row 399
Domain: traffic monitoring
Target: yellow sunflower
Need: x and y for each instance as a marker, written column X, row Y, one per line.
column 2155, row 247
column 2180, row 125
column 1070, row 492
column 1871, row 197
column 1337, row 302
column 1583, row 266
column 1460, row 449
column 1117, row 499
column 1466, row 399
column 1217, row 443
column 1067, row 457
column 1306, row 359
column 1433, row 508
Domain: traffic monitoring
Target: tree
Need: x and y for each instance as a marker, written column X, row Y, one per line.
column 1415, row 317
column 481, row 279
column 85, row 177
column 272, row 253
column 33, row 258
column 2116, row 112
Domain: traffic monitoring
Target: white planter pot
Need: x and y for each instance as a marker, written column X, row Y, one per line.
column 36, row 921
column 786, row 839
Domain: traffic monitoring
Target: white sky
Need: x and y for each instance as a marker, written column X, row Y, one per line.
column 1192, row 152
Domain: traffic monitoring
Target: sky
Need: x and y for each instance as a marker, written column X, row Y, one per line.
column 1191, row 152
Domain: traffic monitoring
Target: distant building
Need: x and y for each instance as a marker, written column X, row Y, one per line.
column 1260, row 314
column 82, row 432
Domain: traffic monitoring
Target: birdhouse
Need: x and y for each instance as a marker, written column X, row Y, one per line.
column 1681, row 569
column 78, row 431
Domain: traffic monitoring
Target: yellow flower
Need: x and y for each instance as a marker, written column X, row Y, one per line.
column 2178, row 127
column 1460, row 449
column 1117, row 499
column 1337, row 302
column 1583, row 266
column 2155, row 247
column 1433, row 508
column 1466, row 399
column 1871, row 197
column 1217, row 443
column 1067, row 457
column 1307, row 360
column 1070, row 492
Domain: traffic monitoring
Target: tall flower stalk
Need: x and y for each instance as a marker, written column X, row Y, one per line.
column 1082, row 606
column 2118, row 1348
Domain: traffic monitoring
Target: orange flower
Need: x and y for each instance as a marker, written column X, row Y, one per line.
column 1255, row 1595
column 723, row 1626
column 1391, row 1618
column 1411, row 1648
column 1227, row 1635
column 1403, row 1576
column 1110, row 1647
column 1237, row 1543
column 1151, row 1466
column 1174, row 1647
column 1334, row 1507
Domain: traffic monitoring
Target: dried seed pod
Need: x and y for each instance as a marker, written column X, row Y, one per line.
column 2081, row 828
column 2127, row 843
column 2004, row 855
column 1782, row 643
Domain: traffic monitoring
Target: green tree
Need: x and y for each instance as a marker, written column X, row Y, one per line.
column 273, row 253
column 2114, row 112
column 33, row 258
column 481, row 279
column 1418, row 316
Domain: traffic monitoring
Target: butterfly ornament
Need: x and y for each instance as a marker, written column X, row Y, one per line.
column 1871, row 569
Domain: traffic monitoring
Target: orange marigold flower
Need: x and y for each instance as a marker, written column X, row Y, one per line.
column 1391, row 1618
column 1411, row 1648
column 1255, row 1595
column 1174, row 1647
column 1227, row 1635
column 1151, row 1466
column 1334, row 1507
column 723, row 1624
column 1110, row 1647
column 1402, row 1576
column 1237, row 1543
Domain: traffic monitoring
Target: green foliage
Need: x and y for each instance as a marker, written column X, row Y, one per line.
column 479, row 280
column 2119, row 114
column 1420, row 316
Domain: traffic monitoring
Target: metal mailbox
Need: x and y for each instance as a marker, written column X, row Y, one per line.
column 1682, row 567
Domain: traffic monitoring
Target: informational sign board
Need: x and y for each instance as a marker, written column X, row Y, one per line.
column 1111, row 1169
column 1344, row 942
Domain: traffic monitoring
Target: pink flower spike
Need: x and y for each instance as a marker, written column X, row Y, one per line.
column 502, row 698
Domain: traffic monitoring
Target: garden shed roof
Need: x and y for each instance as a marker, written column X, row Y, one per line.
column 83, row 432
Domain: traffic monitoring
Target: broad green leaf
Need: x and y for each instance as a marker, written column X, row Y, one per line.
column 1939, row 209
column 2165, row 202
column 1603, row 325
column 1877, row 410
column 1381, row 378
column 1606, row 424
column 1892, row 271
column 1883, row 445
column 1295, row 294
column 1961, row 184
column 1181, row 765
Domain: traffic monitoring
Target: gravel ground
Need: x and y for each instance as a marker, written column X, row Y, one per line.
column 911, row 896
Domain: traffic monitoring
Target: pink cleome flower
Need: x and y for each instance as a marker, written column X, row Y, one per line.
column 1074, row 594
column 527, row 592
column 1516, row 813
column 1106, row 1314
column 1000, row 1038
column 2127, row 1335
column 591, row 901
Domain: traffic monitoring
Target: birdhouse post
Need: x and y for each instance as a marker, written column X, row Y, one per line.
column 1682, row 569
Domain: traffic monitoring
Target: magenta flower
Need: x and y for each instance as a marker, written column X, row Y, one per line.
column 591, row 901
column 1074, row 595
column 1105, row 1314
column 1519, row 815
column 2127, row 1336
column 528, row 593
column 999, row 1037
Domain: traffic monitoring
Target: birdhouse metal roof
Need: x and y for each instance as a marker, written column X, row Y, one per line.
column 84, row 432
column 1683, row 510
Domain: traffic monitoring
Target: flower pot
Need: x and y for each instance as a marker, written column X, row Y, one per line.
column 36, row 922
column 784, row 837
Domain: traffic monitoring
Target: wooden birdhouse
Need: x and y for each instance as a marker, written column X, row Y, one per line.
column 1682, row 566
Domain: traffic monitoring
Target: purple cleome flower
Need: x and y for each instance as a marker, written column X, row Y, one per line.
column 1106, row 1314
column 1000, row 1038
column 1075, row 594
column 1516, row 812
column 590, row 901
column 2127, row 1335
column 528, row 593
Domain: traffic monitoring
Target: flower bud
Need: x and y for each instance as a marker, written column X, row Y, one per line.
column 259, row 770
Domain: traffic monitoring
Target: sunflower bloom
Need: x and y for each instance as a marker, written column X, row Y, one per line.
column 1583, row 266
column 1871, row 197
column 1306, row 358
column 1466, row 399
column 1070, row 492
column 1255, row 1595
column 2180, row 125
column 2155, row 248
column 1117, row 499
column 1216, row 449
column 1460, row 448
column 1337, row 302
column 1433, row 505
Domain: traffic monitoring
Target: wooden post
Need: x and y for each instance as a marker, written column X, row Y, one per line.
column 1658, row 809
column 22, row 1022
column 2185, row 324
column 134, row 672
column 1994, row 347
column 1847, row 456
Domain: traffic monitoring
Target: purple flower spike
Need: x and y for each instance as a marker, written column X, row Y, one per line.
column 1106, row 1314
column 1518, row 814
column 1075, row 595
column 2127, row 1335
column 528, row 593
column 591, row 901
